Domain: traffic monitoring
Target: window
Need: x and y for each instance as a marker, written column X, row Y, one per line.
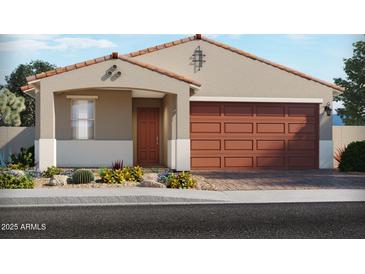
column 82, row 119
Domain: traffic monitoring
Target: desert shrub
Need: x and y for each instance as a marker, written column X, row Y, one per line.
column 133, row 174
column 10, row 181
column 16, row 166
column 102, row 171
column 163, row 177
column 353, row 158
column 23, row 160
column 83, row 176
column 119, row 176
column 50, row 171
column 338, row 153
column 117, row 165
column 111, row 176
column 182, row 180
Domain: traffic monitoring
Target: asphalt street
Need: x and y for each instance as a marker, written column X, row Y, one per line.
column 300, row 220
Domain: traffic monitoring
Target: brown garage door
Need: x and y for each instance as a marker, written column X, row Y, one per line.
column 248, row 136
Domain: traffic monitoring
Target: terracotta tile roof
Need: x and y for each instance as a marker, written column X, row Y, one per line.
column 169, row 73
column 235, row 50
column 114, row 55
column 66, row 68
column 162, row 46
column 26, row 88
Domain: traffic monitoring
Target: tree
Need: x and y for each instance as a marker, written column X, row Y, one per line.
column 10, row 108
column 18, row 78
column 353, row 97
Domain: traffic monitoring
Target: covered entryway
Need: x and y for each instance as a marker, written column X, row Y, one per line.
column 254, row 135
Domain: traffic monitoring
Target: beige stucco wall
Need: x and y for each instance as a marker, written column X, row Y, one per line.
column 37, row 100
column 145, row 102
column 133, row 78
column 344, row 135
column 226, row 73
column 169, row 126
column 113, row 114
column 14, row 138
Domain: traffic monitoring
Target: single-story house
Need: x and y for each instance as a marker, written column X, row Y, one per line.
column 193, row 103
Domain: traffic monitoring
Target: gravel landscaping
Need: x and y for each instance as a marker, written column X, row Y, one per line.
column 149, row 180
column 223, row 181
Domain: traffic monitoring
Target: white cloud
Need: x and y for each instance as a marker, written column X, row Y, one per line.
column 66, row 43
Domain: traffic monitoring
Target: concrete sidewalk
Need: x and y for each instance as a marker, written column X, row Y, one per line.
column 156, row 196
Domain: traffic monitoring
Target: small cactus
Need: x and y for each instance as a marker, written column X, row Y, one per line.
column 82, row 176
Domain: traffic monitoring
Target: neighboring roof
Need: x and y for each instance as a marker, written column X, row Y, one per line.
column 114, row 55
column 235, row 50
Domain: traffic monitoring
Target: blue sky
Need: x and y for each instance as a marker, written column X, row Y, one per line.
column 317, row 55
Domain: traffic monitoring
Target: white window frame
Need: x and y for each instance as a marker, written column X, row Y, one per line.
column 86, row 98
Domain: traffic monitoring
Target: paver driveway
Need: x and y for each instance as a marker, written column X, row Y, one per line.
column 285, row 179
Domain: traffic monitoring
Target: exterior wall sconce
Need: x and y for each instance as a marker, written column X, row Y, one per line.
column 198, row 59
column 328, row 109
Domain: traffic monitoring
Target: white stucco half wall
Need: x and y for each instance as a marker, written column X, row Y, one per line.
column 45, row 154
column 171, row 154
column 182, row 154
column 325, row 154
column 93, row 153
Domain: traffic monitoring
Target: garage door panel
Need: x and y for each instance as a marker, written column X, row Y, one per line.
column 270, row 144
column 205, row 127
column 301, row 162
column 254, row 136
column 238, row 144
column 301, row 144
column 205, row 145
column 270, row 162
column 205, row 110
column 206, row 162
column 238, row 127
column 270, row 128
column 301, row 128
column 297, row 111
column 234, row 162
column 271, row 111
column 238, row 110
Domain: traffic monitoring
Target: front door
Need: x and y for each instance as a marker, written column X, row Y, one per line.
column 148, row 128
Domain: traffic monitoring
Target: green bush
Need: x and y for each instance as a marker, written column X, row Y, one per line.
column 10, row 181
column 16, row 166
column 119, row 176
column 182, row 180
column 353, row 158
column 23, row 160
column 102, row 171
column 111, row 176
column 83, row 176
column 52, row 170
column 133, row 174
